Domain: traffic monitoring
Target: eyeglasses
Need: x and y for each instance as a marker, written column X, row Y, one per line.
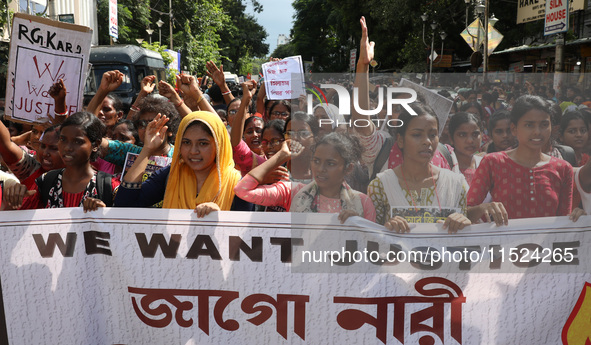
column 303, row 134
column 272, row 143
column 278, row 113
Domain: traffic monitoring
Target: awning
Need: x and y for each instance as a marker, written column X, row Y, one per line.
column 542, row 46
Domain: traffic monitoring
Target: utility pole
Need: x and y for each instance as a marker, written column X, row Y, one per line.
column 170, row 22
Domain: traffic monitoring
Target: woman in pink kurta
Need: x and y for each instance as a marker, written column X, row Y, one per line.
column 332, row 159
column 523, row 182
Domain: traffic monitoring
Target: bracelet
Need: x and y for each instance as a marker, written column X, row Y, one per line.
column 134, row 108
column 131, row 185
column 226, row 93
column 179, row 103
column 61, row 114
column 200, row 99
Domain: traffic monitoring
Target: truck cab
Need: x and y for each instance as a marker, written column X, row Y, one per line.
column 133, row 61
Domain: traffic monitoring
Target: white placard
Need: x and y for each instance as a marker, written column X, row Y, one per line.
column 284, row 79
column 42, row 52
column 440, row 105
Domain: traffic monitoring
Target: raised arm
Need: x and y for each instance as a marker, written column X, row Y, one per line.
column 188, row 84
column 153, row 139
column 9, row 151
column 147, row 87
column 58, row 92
column 169, row 92
column 248, row 89
column 217, row 74
column 110, row 82
column 366, row 54
column 261, row 100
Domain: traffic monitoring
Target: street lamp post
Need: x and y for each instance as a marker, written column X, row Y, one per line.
column 442, row 34
column 159, row 23
column 150, row 32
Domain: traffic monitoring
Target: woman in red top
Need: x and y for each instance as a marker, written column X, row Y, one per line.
column 523, row 182
column 78, row 184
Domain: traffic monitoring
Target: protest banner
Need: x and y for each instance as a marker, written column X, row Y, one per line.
column 137, row 276
column 284, row 79
column 42, row 52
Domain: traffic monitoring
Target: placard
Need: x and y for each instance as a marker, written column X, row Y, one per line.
column 284, row 79
column 42, row 52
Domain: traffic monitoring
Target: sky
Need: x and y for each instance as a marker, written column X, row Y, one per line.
column 276, row 18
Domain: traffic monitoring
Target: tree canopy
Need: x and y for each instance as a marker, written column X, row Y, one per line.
column 218, row 30
column 326, row 30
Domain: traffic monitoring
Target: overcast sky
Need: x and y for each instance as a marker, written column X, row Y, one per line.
column 276, row 18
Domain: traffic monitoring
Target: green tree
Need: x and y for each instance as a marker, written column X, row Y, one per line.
column 196, row 32
column 133, row 17
column 284, row 50
column 242, row 38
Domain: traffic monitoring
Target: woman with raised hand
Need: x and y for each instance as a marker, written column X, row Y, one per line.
column 373, row 140
column 332, row 159
column 201, row 176
column 417, row 191
column 524, row 182
column 246, row 134
column 303, row 128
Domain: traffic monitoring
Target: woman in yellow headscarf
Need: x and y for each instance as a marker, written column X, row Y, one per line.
column 202, row 173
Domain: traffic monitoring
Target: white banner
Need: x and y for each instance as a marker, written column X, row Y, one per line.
column 153, row 276
column 42, row 52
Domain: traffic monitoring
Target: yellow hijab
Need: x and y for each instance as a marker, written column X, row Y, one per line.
column 219, row 185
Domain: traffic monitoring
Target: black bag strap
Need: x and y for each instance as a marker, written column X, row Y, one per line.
column 382, row 157
column 48, row 182
column 567, row 153
column 445, row 152
column 104, row 188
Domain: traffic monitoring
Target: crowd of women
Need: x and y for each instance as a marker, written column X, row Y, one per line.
column 522, row 155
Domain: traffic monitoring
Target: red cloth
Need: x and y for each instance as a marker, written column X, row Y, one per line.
column 32, row 202
column 544, row 191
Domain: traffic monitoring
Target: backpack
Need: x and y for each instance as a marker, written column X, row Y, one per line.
column 567, row 153
column 104, row 187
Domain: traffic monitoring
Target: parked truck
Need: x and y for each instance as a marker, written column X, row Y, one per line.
column 133, row 61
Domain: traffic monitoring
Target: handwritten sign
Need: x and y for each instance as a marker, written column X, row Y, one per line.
column 43, row 51
column 284, row 79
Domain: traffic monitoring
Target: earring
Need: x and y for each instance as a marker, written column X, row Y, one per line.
column 181, row 161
